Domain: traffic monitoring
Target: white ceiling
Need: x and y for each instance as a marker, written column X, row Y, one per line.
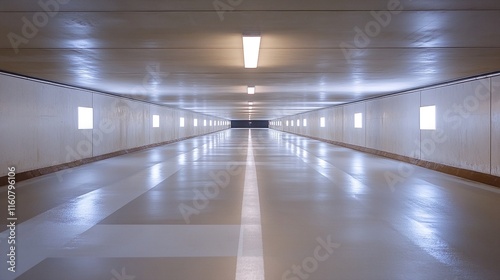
column 181, row 53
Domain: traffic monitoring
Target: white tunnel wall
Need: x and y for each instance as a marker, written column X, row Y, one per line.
column 32, row 114
column 352, row 135
column 338, row 122
column 463, row 119
column 467, row 131
column 39, row 124
column 495, row 126
column 119, row 127
column 394, row 116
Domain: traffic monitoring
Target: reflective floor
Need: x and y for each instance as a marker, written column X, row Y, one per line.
column 256, row 204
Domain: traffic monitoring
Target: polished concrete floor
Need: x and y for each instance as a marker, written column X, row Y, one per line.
column 253, row 204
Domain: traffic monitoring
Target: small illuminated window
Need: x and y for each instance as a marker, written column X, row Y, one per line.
column 322, row 122
column 291, row 122
column 210, row 122
column 85, row 118
column 156, row 120
column 181, row 122
column 286, row 123
column 428, row 118
column 298, row 122
column 304, row 122
column 358, row 120
column 204, row 122
column 195, row 122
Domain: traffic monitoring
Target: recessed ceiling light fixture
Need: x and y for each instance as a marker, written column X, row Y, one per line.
column 251, row 47
column 250, row 103
column 251, row 90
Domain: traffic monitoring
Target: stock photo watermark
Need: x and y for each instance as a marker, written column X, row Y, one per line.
column 373, row 28
column 203, row 195
column 220, row 180
column 31, row 26
column 223, row 6
column 11, row 219
column 310, row 264
column 122, row 109
column 454, row 117
column 122, row 275
column 153, row 78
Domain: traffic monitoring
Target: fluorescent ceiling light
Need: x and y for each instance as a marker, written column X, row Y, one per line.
column 251, row 90
column 251, row 46
column 250, row 103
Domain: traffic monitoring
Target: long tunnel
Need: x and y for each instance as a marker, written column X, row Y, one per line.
column 249, row 140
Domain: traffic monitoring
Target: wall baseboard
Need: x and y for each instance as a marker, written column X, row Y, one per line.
column 25, row 175
column 451, row 170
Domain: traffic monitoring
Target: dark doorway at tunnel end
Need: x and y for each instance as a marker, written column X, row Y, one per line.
column 249, row 124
